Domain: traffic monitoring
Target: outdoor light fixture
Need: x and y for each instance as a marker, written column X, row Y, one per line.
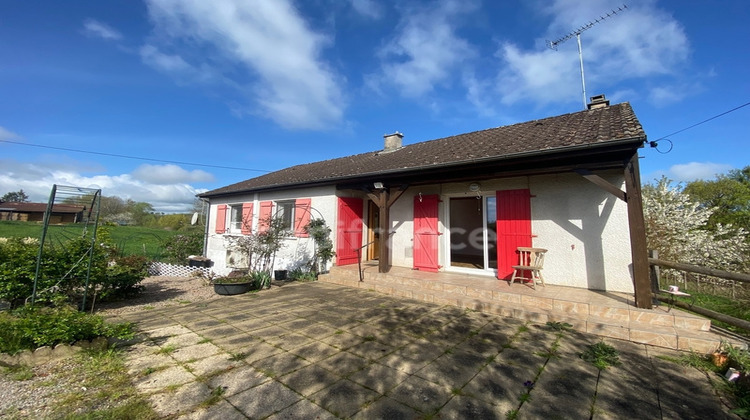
column 379, row 185
column 474, row 187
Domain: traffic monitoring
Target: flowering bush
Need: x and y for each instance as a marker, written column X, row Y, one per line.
column 677, row 228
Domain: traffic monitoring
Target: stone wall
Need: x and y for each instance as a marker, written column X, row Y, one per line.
column 47, row 354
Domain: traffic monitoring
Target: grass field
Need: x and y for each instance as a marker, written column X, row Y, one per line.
column 130, row 240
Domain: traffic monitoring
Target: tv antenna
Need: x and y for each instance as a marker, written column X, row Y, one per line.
column 577, row 33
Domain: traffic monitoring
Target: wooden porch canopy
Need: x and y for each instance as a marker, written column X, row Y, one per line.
column 585, row 161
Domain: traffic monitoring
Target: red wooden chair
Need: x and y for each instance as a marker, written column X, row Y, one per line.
column 530, row 261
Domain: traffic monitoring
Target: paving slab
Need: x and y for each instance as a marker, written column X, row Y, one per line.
column 344, row 398
column 309, row 379
column 162, row 379
column 280, row 364
column 265, row 399
column 315, row 351
column 180, row 400
column 325, row 351
column 195, row 352
column 220, row 410
column 379, row 378
column 425, row 396
column 236, row 380
column 463, row 407
column 387, row 409
column 303, row 409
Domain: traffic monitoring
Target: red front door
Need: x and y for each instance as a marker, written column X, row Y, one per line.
column 426, row 232
column 348, row 230
column 513, row 228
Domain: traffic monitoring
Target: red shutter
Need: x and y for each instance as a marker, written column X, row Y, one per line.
column 513, row 228
column 301, row 217
column 264, row 217
column 221, row 218
column 426, row 233
column 247, row 218
column 348, row 230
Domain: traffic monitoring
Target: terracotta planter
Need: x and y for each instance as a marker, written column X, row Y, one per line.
column 720, row 360
column 232, row 288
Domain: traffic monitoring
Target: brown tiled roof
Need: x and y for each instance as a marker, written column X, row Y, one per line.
column 39, row 207
column 549, row 135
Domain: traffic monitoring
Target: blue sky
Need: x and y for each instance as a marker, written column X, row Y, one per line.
column 262, row 85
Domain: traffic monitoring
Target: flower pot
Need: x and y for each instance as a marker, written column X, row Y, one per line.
column 232, row 288
column 279, row 275
column 720, row 360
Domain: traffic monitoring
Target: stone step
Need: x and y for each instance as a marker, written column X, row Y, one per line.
column 672, row 329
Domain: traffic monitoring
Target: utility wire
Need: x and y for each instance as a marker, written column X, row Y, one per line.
column 177, row 162
column 702, row 122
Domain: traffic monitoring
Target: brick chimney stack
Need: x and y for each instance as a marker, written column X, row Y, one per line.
column 392, row 141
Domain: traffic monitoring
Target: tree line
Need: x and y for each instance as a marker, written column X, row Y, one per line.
column 116, row 210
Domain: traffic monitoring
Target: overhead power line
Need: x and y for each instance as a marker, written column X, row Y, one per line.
column 176, row 162
column 702, row 122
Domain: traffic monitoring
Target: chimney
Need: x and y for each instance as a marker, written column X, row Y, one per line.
column 598, row 101
column 392, row 141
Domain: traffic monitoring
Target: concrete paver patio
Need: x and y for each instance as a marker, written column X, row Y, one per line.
column 318, row 350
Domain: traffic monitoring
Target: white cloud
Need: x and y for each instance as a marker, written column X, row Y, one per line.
column 98, row 29
column 164, row 62
column 264, row 49
column 638, row 42
column 7, row 134
column 697, row 170
column 169, row 174
column 367, row 8
column 426, row 50
column 168, row 187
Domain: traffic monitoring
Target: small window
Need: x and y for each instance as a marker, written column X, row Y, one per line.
column 285, row 212
column 235, row 221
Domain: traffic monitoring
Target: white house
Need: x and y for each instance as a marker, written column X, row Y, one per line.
column 465, row 203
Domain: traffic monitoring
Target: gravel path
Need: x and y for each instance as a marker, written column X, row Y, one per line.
column 33, row 398
column 162, row 291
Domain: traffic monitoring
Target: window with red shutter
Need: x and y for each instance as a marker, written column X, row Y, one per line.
column 301, row 216
column 247, row 218
column 221, row 218
column 264, row 217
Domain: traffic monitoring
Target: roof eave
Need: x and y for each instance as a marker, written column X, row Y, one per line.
column 638, row 140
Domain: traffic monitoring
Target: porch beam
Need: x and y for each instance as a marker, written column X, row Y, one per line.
column 602, row 183
column 637, row 224
column 384, row 257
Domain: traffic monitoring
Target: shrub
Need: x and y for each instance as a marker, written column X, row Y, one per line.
column 30, row 327
column 178, row 248
column 123, row 276
column 64, row 268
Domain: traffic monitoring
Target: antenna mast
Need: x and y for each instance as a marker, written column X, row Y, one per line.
column 577, row 33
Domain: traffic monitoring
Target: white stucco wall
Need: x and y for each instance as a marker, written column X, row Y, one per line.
column 295, row 251
column 584, row 228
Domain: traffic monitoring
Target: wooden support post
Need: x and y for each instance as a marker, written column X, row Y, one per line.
column 641, row 280
column 384, row 258
column 380, row 198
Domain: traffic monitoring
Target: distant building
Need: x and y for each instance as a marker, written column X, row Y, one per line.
column 34, row 212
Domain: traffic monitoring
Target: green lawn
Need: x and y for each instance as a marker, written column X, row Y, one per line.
column 130, row 240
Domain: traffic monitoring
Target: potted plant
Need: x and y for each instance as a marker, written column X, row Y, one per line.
column 234, row 285
column 260, row 249
column 321, row 234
